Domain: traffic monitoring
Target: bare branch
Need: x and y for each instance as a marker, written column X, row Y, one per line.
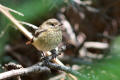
column 73, row 60
column 96, row 45
column 24, row 71
column 63, row 68
column 68, row 28
column 40, row 67
column 28, row 24
column 14, row 11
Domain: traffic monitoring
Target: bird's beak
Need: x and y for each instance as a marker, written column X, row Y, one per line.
column 62, row 27
column 60, row 24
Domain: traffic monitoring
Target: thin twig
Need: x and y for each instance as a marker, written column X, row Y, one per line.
column 16, row 22
column 28, row 24
column 14, row 11
column 24, row 71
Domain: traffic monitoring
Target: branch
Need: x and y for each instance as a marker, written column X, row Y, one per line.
column 63, row 68
column 68, row 28
column 28, row 34
column 96, row 45
column 39, row 67
column 15, row 22
column 73, row 60
column 24, row 71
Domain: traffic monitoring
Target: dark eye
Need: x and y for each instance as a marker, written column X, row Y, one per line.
column 52, row 24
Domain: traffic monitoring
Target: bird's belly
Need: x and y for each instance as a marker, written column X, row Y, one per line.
column 48, row 41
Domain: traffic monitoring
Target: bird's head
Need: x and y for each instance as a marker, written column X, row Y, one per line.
column 51, row 24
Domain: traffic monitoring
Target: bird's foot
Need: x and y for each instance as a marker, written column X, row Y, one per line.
column 54, row 53
column 45, row 60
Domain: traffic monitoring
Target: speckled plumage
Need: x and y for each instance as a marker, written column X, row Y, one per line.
column 49, row 35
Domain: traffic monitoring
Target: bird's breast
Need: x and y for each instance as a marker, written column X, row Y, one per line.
column 47, row 41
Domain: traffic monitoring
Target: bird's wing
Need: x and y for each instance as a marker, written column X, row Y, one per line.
column 38, row 32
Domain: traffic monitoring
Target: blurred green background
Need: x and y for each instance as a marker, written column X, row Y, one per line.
column 35, row 12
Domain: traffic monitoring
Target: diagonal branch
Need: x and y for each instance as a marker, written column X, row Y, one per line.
column 39, row 67
column 62, row 68
column 24, row 71
column 15, row 22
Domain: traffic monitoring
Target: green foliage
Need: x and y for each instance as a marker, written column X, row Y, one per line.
column 38, row 9
column 105, row 69
column 4, row 37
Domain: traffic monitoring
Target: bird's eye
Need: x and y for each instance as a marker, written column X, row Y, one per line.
column 52, row 24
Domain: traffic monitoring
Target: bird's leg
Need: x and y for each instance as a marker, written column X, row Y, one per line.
column 45, row 58
column 54, row 53
column 57, row 51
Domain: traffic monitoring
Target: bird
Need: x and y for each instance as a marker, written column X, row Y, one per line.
column 48, row 35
